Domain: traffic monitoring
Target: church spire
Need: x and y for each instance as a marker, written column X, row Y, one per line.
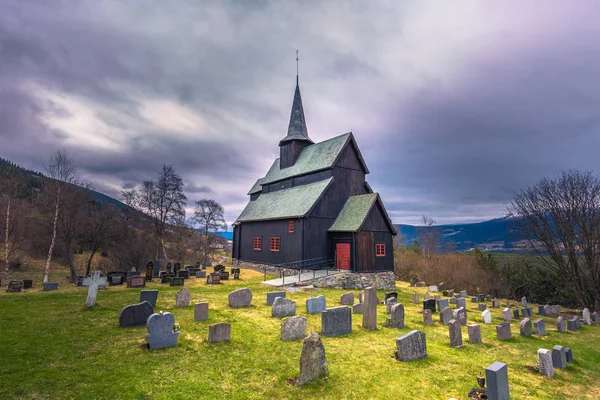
column 297, row 127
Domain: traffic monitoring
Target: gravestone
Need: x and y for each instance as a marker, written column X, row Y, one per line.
column 595, row 318
column 441, row 286
column 150, row 296
column 442, row 303
column 411, row 347
column 135, row 314
column 213, row 278
column 547, row 310
column 539, row 327
column 455, row 333
column 166, row 278
column 415, row 298
column 516, row 314
column 433, row 288
column 156, row 269
column 560, row 324
column 482, row 306
column 176, row 268
column 283, row 307
column 426, row 296
column 313, row 364
column 391, row 294
column 160, row 331
column 132, row 273
column 460, row 314
column 495, row 303
column 136, row 282
column 420, row 284
column 527, row 312
column 496, row 376
column 169, row 267
column 336, row 321
column 481, row 297
column 27, row 283
column 93, row 289
column 569, row 354
column 357, row 308
column 503, row 331
column 220, row 332
column 506, row 314
column 224, row 276
column 369, row 320
column 586, row 317
column 200, row 312
column 452, row 300
column 429, row 305
column 446, row 316
column 427, row 317
column 347, row 299
column 182, row 274
column 149, row 271
column 463, row 293
column 271, row 296
column 236, row 273
column 48, row 286
column 397, row 319
column 15, row 287
column 177, row 282
column 525, row 327
column 115, row 280
column 542, row 312
column 545, row 362
column 474, row 299
column 201, row 274
column 183, row 298
column 524, row 301
column 572, row 324
column 559, row 357
column 240, row 298
column 474, row 333
column 461, row 302
column 486, row 317
column 389, row 303
column 293, row 328
column 193, row 272
column 316, row 305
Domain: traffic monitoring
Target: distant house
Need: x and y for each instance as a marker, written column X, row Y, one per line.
column 314, row 205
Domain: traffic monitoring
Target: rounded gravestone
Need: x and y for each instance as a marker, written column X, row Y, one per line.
column 240, row 298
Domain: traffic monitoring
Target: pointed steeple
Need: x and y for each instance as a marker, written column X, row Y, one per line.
column 297, row 127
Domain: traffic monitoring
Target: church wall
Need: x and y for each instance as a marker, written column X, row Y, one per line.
column 290, row 243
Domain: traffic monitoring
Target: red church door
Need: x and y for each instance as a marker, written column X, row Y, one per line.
column 342, row 255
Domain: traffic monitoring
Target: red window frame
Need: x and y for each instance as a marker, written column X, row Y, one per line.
column 380, row 250
column 257, row 243
column 291, row 226
column 275, row 243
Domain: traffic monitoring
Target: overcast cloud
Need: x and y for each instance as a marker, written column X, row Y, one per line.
column 455, row 105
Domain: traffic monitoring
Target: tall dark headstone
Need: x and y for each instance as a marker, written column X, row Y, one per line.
column 496, row 376
column 336, row 321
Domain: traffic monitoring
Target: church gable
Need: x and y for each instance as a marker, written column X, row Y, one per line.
column 351, row 158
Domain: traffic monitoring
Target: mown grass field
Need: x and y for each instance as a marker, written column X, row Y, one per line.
column 52, row 346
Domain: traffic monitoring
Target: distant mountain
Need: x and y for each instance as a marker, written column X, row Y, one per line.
column 493, row 235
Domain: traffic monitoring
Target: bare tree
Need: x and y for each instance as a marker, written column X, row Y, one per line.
column 62, row 171
column 163, row 200
column 430, row 236
column 209, row 215
column 560, row 220
column 11, row 186
column 133, row 250
column 103, row 227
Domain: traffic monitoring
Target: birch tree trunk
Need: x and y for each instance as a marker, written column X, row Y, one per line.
column 53, row 242
column 6, row 239
column 162, row 244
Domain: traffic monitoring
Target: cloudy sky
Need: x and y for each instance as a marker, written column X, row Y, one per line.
column 455, row 105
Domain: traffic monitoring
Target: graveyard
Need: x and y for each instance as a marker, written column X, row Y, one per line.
column 54, row 346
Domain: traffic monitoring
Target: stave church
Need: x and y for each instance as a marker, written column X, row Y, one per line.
column 314, row 207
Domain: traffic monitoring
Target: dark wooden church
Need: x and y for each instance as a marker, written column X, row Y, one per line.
column 314, row 207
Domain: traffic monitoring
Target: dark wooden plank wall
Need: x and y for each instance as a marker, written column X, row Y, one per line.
column 384, row 263
column 317, row 243
column 290, row 243
column 375, row 220
column 289, row 152
column 366, row 251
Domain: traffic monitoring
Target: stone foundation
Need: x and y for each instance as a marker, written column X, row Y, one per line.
column 380, row 280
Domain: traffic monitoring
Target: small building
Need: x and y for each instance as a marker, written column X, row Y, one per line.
column 314, row 207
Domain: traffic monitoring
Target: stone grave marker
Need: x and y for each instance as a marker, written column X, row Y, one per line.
column 455, row 333
column 486, row 317
column 347, row 299
column 542, row 312
column 271, row 296
column 451, row 293
column 224, row 275
column 482, row 307
column 595, row 317
column 27, row 283
column 524, row 301
column 460, row 314
column 545, row 362
column 48, row 286
column 169, row 267
column 283, row 307
column 427, row 317
column 183, row 274
column 569, row 354
column 506, row 314
column 176, row 268
column 559, row 357
column 474, row 333
column 313, row 364
column 442, row 303
column 236, row 273
column 397, row 319
column 391, row 294
column 474, row 299
column 160, row 331
column 560, row 324
column 357, row 308
column 539, row 327
column 200, row 312
column 136, row 282
column 200, row 274
column 150, row 296
column 369, row 320
column 135, row 314
column 496, row 376
column 93, row 289
column 220, row 332
column 166, row 278
column 452, row 300
column 411, row 347
column 293, row 328
column 587, row 320
column 426, row 296
column 525, row 327
column 572, row 324
column 516, row 314
column 429, row 305
column 156, row 269
column 461, row 302
column 15, row 287
column 463, row 293
column 336, row 321
column 240, row 298
column 175, row 281
column 433, row 288
column 495, row 303
column 481, row 297
column 183, row 298
column 213, row 278
column 149, row 271
column 415, row 298
column 389, row 303
column 446, row 316
column 503, row 331
column 316, row 305
column 219, row 268
column 527, row 312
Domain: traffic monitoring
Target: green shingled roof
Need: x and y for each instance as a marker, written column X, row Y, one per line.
column 315, row 157
column 354, row 213
column 257, row 187
column 286, row 203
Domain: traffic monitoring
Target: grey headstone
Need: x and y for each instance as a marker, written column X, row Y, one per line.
column 595, row 317
column 336, row 321
column 93, row 289
column 200, row 312
column 545, row 362
column 271, row 296
column 463, row 293
column 220, row 332
column 461, row 302
column 429, row 305
column 442, row 303
column 347, row 299
column 49, row 286
column 293, row 328
column 316, row 305
column 525, row 327
column 455, row 333
column 559, row 357
column 411, row 346
column 573, row 323
column 542, row 312
column 539, row 327
column 391, row 294
column 460, row 314
column 451, row 293
column 160, row 331
column 495, row 303
column 569, row 354
column 415, row 298
column 587, row 320
column 524, row 301
column 357, row 308
column 397, row 319
column 527, row 312
column 200, row 274
column 183, row 298
column 389, row 303
column 452, row 300
column 156, row 269
column 496, row 376
column 482, row 307
column 427, row 317
column 446, row 316
column 474, row 299
column 283, row 307
column 560, row 324
column 150, row 296
column 474, row 333
column 547, row 310
column 433, row 288
column 369, row 311
column 506, row 314
column 240, row 298
column 503, row 331
column 486, row 317
column 313, row 364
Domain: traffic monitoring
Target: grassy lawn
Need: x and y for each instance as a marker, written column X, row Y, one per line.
column 51, row 346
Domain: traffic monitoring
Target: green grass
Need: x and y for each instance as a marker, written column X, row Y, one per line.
column 51, row 346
